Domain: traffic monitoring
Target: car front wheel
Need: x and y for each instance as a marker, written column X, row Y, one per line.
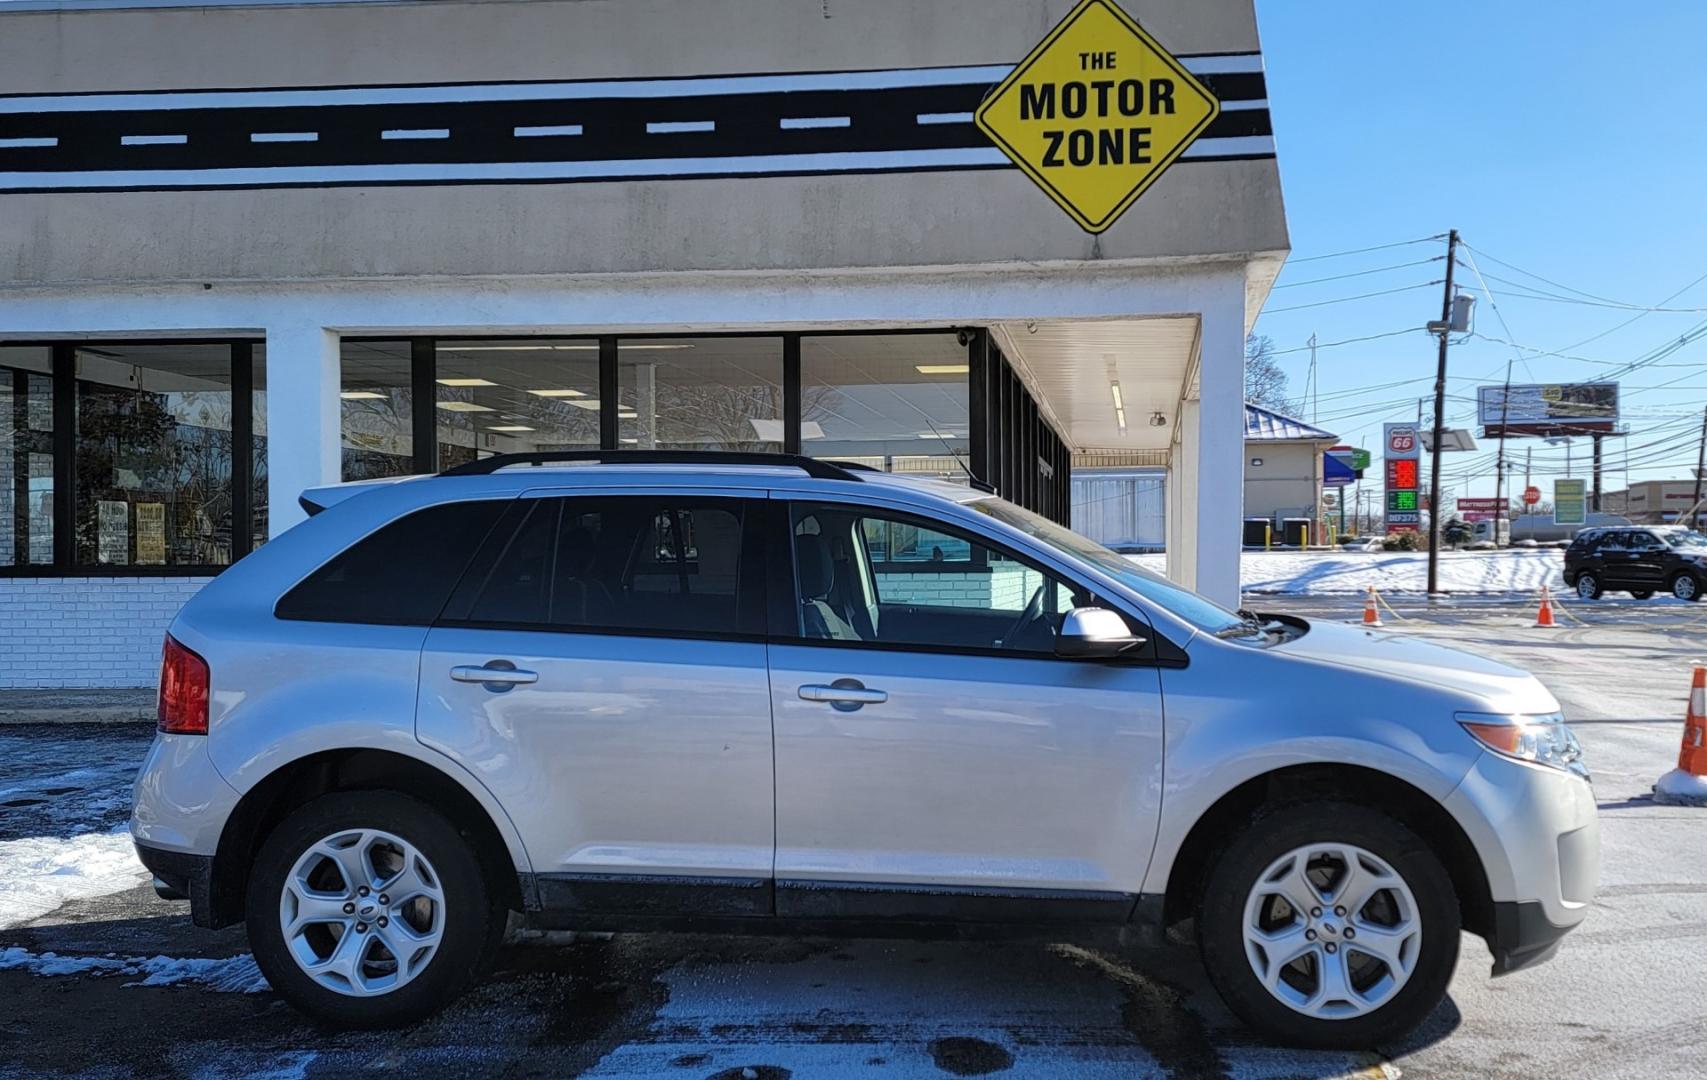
column 369, row 909
column 1329, row 925
column 1588, row 586
column 1685, row 586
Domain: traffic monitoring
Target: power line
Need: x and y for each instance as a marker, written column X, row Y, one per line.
column 1362, row 250
column 1347, row 341
column 1360, row 296
column 1361, row 273
column 1538, row 277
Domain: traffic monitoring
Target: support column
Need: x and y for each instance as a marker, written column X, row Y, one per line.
column 1220, row 473
column 303, row 441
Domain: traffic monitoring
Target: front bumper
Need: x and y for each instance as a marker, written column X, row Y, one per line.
column 1537, row 832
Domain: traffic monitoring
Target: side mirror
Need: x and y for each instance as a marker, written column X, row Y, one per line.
column 1088, row 633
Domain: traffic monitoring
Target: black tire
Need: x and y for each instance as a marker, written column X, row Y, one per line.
column 473, row 919
column 1588, row 585
column 1684, row 580
column 1641, row 594
column 1220, row 926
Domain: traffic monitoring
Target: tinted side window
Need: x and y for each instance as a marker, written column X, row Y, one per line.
column 619, row 563
column 400, row 575
column 889, row 579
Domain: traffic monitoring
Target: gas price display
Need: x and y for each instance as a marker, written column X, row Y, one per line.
column 1403, row 451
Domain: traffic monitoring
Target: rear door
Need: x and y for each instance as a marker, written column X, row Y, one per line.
column 934, row 756
column 1647, row 561
column 602, row 668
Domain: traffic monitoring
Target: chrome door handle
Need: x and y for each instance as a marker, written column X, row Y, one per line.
column 505, row 677
column 844, row 694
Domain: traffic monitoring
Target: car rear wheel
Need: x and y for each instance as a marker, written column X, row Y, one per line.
column 1641, row 594
column 369, row 909
column 1329, row 925
column 1588, row 586
column 1686, row 586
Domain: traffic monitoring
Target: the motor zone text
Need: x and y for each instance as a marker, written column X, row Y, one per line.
column 1100, row 99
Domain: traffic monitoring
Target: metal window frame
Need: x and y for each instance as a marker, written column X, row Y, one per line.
column 1007, row 432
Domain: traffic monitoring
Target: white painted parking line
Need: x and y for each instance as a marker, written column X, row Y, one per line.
column 803, row 123
column 283, row 136
column 547, row 130
column 11, row 144
column 153, row 140
column 945, row 118
column 416, row 133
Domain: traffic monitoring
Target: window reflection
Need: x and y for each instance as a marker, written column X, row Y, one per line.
column 375, row 398
column 153, row 460
column 711, row 393
column 896, row 402
column 516, row 396
column 26, row 456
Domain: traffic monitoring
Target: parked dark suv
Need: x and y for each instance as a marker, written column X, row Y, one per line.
column 1640, row 560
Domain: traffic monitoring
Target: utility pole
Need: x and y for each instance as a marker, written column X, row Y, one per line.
column 1528, row 458
column 1700, row 467
column 1440, row 422
column 1499, row 464
column 1594, row 495
column 1313, row 377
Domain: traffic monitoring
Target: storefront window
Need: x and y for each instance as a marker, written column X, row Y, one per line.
column 515, row 397
column 26, row 457
column 378, row 430
column 896, row 402
column 153, row 455
column 258, row 439
column 707, row 393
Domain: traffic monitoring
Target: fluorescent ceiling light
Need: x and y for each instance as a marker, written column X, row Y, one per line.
column 629, row 440
column 810, row 429
column 939, row 434
column 463, row 406
column 591, row 404
column 467, row 382
column 1119, row 405
column 361, row 395
column 942, row 369
column 511, row 427
column 590, row 346
column 620, row 415
column 557, row 392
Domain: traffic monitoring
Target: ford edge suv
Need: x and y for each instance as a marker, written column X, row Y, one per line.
column 708, row 691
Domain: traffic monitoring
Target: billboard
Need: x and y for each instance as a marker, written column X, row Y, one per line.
column 1401, row 447
column 1547, row 408
column 1570, row 502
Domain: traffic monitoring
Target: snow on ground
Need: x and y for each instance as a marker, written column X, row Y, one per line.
column 1328, row 573
column 39, row 873
column 234, row 974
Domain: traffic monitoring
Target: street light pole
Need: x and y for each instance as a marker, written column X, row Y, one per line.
column 1440, row 421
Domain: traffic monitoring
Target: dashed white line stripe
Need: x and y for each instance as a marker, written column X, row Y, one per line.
column 416, row 133
column 544, row 130
column 945, row 118
column 153, row 140
column 677, row 127
column 11, row 144
column 284, row 136
column 802, row 123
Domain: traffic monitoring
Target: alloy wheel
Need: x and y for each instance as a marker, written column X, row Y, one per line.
column 1684, row 587
column 1332, row 931
column 1587, row 587
column 362, row 911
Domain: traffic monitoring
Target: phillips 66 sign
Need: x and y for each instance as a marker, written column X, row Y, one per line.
column 1401, row 446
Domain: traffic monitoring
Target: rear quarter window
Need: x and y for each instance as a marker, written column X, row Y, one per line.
column 400, row 575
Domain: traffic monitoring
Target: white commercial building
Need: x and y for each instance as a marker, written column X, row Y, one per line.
column 247, row 248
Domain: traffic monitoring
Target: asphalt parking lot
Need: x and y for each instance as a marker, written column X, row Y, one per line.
column 1622, row 999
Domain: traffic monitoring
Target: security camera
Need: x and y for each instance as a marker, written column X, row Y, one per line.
column 964, row 337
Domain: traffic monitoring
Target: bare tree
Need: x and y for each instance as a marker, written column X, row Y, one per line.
column 1265, row 383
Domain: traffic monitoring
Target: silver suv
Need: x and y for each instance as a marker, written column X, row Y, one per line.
column 668, row 691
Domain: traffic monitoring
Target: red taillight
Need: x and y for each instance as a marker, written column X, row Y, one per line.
column 183, row 690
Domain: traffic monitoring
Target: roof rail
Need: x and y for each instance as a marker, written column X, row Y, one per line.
column 813, row 467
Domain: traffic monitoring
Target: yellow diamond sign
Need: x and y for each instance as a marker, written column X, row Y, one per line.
column 1096, row 113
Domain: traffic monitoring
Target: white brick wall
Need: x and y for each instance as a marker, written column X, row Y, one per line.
column 86, row 632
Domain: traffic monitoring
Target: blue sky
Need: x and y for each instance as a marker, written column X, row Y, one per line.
column 1565, row 137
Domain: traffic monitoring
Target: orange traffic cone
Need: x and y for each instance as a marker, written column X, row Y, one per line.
column 1371, row 617
column 1686, row 785
column 1544, row 617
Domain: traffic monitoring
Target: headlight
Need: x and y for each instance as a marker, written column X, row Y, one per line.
column 1542, row 740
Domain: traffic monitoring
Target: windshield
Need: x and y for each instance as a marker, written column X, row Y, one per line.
column 1683, row 538
column 1204, row 614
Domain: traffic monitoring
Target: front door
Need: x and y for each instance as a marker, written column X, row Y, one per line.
column 602, row 669
column 1648, row 557
column 933, row 756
